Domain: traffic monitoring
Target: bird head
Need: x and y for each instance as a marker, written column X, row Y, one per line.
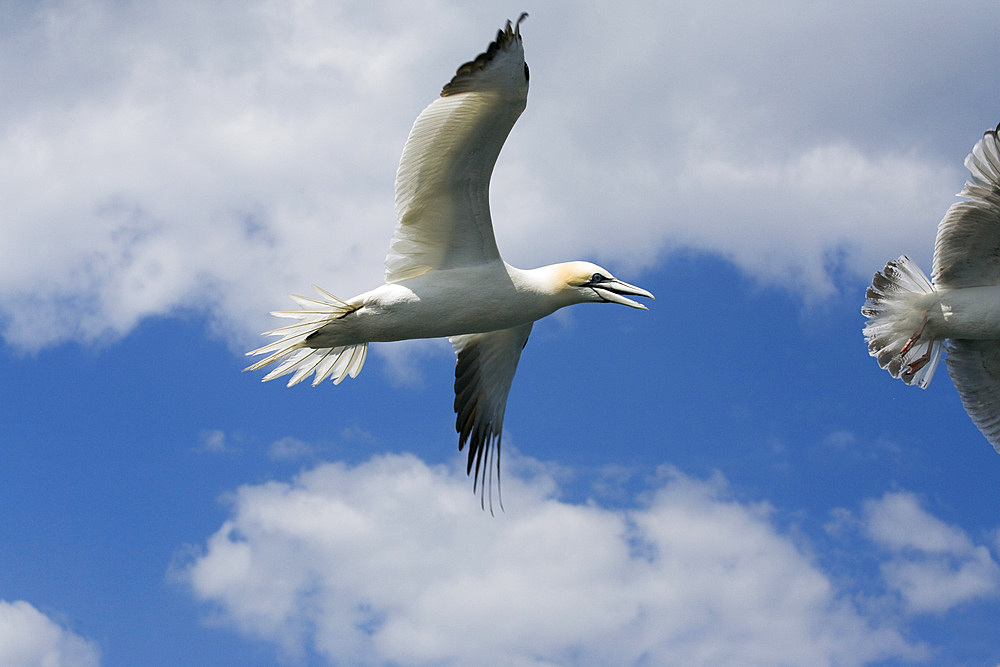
column 588, row 282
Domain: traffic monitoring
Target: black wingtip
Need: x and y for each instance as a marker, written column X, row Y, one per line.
column 461, row 82
column 484, row 456
column 517, row 26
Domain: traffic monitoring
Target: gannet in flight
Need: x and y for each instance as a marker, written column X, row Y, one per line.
column 912, row 320
column 444, row 275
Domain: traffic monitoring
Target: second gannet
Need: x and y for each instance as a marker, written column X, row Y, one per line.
column 912, row 321
column 444, row 276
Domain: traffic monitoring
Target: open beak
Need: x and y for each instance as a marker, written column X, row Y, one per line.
column 614, row 291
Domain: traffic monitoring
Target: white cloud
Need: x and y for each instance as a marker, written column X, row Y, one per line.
column 830, row 203
column 155, row 158
column 934, row 566
column 289, row 448
column 29, row 637
column 215, row 442
column 392, row 561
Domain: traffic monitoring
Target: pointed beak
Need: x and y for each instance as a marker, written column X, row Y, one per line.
column 614, row 291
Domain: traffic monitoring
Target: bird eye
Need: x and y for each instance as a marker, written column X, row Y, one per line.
column 525, row 71
column 597, row 278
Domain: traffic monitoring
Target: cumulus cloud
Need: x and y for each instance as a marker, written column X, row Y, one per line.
column 933, row 566
column 155, row 159
column 391, row 561
column 29, row 637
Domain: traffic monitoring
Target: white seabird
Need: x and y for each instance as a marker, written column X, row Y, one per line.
column 913, row 320
column 444, row 276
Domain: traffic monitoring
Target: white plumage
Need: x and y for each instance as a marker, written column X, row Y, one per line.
column 444, row 274
column 913, row 320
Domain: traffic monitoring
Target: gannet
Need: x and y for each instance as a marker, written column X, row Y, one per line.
column 913, row 320
column 444, row 276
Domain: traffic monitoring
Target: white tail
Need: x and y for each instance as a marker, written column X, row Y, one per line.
column 895, row 327
column 301, row 359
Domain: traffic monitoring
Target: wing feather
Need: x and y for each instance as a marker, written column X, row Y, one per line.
column 483, row 375
column 967, row 249
column 442, row 184
column 974, row 366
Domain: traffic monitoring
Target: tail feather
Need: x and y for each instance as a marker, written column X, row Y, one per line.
column 895, row 321
column 300, row 359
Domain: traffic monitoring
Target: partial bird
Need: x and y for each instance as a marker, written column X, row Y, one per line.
column 913, row 321
column 444, row 276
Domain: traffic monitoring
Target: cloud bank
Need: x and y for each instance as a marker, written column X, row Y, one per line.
column 933, row 566
column 156, row 159
column 29, row 637
column 390, row 561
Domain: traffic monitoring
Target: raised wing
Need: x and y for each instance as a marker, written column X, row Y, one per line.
column 974, row 366
column 483, row 374
column 967, row 250
column 443, row 180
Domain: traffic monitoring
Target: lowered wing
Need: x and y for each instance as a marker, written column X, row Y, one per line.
column 974, row 366
column 483, row 375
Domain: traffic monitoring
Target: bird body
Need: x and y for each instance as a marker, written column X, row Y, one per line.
column 444, row 275
column 913, row 321
column 466, row 300
column 971, row 313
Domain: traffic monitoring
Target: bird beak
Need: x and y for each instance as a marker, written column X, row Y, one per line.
column 614, row 291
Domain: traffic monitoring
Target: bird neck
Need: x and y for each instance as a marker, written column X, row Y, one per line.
column 548, row 281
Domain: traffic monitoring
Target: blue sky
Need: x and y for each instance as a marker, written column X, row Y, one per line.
column 725, row 479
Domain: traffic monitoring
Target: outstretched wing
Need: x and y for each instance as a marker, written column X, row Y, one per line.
column 442, row 184
column 974, row 366
column 483, row 375
column 967, row 250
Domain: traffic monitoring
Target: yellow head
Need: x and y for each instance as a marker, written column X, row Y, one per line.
column 583, row 282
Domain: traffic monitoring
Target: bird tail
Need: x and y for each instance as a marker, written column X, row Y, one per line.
column 896, row 319
column 294, row 351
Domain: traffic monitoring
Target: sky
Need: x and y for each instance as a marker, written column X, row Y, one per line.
column 728, row 478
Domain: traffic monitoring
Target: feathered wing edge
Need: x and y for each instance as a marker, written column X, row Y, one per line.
column 974, row 366
column 465, row 76
column 983, row 164
column 297, row 357
column 442, row 182
column 484, row 371
column 969, row 233
column 894, row 323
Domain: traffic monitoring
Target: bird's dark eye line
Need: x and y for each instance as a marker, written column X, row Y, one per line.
column 598, row 278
